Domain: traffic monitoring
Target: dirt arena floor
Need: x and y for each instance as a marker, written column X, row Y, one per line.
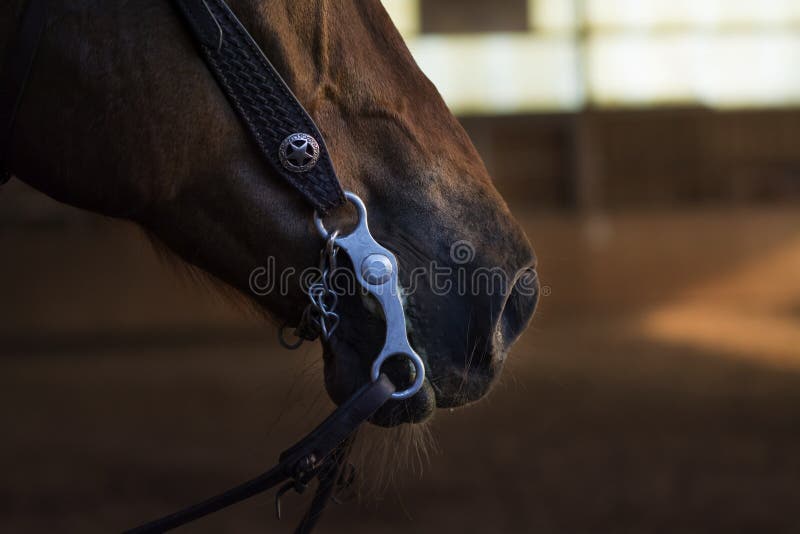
column 658, row 390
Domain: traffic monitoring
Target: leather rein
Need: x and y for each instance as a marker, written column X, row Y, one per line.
column 291, row 144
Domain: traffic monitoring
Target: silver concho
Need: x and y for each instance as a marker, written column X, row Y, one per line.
column 299, row 152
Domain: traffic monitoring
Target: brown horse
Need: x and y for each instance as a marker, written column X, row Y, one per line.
column 121, row 117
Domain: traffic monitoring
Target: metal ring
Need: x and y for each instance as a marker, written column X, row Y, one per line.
column 286, row 344
column 419, row 368
column 360, row 208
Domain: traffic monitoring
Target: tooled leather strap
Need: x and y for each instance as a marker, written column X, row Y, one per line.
column 264, row 102
column 20, row 53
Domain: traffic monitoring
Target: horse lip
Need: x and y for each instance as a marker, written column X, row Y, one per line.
column 341, row 384
column 416, row 409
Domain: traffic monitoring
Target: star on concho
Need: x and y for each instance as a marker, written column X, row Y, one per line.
column 299, row 152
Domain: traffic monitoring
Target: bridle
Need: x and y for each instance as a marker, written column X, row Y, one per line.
column 289, row 141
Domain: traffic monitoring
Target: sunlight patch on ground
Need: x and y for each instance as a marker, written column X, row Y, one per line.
column 750, row 313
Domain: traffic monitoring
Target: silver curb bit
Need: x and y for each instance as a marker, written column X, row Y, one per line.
column 376, row 271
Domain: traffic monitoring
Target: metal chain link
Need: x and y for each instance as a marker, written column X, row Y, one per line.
column 319, row 318
column 324, row 299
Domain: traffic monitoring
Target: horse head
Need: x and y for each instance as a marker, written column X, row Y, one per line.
column 122, row 117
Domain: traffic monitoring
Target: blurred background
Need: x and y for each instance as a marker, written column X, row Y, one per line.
column 649, row 147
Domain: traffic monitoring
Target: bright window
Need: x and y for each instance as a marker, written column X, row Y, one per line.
column 626, row 53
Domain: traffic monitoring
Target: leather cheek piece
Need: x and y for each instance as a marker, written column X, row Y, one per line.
column 265, row 104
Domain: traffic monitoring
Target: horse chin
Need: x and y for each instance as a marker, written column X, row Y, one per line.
column 344, row 374
column 417, row 409
column 456, row 388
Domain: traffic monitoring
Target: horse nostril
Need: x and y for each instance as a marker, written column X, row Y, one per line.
column 518, row 307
